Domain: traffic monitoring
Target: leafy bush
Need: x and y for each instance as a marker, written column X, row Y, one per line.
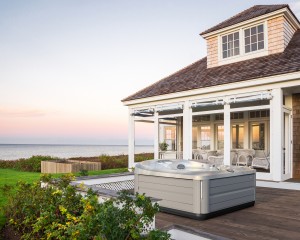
column 58, row 212
column 83, row 172
column 119, row 161
column 32, row 164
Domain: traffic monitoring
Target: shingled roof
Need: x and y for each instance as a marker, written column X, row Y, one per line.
column 253, row 12
column 197, row 75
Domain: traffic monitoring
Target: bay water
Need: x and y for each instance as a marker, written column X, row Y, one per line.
column 17, row 151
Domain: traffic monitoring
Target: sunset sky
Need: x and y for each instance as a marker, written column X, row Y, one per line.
column 65, row 65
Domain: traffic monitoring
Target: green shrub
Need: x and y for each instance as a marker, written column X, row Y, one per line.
column 83, row 172
column 32, row 164
column 119, row 161
column 58, row 212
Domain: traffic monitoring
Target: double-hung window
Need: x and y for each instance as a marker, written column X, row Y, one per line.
column 254, row 38
column 231, row 45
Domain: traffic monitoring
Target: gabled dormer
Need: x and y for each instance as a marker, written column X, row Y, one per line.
column 258, row 31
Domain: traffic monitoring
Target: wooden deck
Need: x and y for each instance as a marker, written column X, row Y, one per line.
column 276, row 215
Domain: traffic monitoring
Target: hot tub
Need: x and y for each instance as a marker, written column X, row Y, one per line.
column 194, row 189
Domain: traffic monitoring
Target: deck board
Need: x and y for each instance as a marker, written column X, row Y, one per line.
column 276, row 215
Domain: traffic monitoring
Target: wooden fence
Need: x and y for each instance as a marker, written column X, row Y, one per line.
column 68, row 166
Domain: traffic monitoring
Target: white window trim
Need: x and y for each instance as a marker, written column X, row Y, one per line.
column 243, row 56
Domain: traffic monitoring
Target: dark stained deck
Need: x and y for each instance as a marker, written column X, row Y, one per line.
column 276, row 215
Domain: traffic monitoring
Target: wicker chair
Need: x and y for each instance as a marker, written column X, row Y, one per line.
column 245, row 157
column 261, row 160
column 203, row 155
column 217, row 160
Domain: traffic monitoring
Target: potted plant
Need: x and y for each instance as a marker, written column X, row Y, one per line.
column 163, row 146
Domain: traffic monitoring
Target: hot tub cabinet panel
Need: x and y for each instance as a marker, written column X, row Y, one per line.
column 175, row 193
column 195, row 194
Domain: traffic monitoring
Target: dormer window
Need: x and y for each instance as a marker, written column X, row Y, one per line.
column 254, row 38
column 245, row 43
column 231, row 45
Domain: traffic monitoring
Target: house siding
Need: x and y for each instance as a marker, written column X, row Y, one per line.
column 212, row 52
column 280, row 33
column 296, row 135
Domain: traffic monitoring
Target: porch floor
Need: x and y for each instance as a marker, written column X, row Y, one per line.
column 276, row 215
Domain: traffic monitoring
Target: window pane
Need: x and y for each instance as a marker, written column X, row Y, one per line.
column 260, row 28
column 260, row 37
column 247, row 40
column 236, row 35
column 229, row 43
column 261, row 45
column 237, row 136
column 253, row 47
column 247, row 32
column 253, row 39
column 236, row 51
column 253, row 30
column 258, row 136
column 224, row 39
column 220, row 136
column 205, row 137
column 247, row 48
column 236, row 43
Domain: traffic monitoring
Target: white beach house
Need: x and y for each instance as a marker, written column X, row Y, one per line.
column 240, row 105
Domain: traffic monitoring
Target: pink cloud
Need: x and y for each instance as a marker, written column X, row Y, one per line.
column 27, row 113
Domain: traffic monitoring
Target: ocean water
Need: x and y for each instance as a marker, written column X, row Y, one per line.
column 17, row 151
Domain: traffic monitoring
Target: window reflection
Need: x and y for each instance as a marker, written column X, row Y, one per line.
column 238, row 136
column 220, row 137
column 258, row 136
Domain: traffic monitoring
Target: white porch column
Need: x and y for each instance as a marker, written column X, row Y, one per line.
column 131, row 143
column 156, row 136
column 276, row 130
column 187, row 131
column 227, row 134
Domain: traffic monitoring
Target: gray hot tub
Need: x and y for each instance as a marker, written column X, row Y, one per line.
column 193, row 189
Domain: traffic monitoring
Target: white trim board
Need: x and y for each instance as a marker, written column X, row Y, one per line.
column 281, row 185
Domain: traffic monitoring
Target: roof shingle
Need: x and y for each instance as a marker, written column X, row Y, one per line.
column 197, row 75
column 253, row 12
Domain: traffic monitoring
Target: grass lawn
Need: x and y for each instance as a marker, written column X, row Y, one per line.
column 11, row 177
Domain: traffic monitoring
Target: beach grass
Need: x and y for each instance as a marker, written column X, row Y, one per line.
column 10, row 177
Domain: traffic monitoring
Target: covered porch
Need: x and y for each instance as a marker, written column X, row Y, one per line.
column 249, row 128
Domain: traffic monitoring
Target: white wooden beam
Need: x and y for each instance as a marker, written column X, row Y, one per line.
column 131, row 140
column 187, row 131
column 156, row 136
column 227, row 132
column 276, row 132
